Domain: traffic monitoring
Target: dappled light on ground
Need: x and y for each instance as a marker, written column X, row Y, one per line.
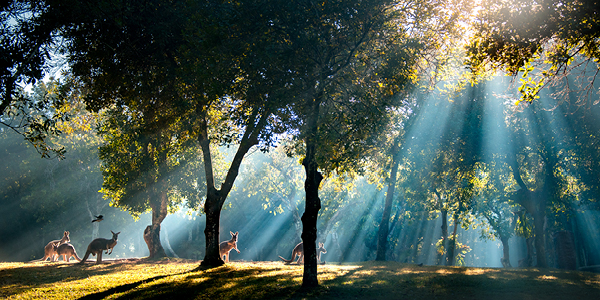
column 182, row 279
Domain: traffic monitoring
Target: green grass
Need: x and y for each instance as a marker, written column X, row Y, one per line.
column 183, row 279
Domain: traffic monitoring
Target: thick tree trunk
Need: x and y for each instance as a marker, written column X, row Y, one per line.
column 152, row 232
column 309, row 219
column 216, row 198
column 535, row 204
column 152, row 239
column 540, row 238
column 505, row 260
column 313, row 202
column 452, row 246
column 211, row 232
column 382, row 234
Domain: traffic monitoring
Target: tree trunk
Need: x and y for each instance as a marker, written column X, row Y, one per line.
column 505, row 260
column 309, row 218
column 313, row 202
column 382, row 234
column 152, row 239
column 540, row 241
column 452, row 245
column 444, row 236
column 535, row 204
column 528, row 260
column 211, row 232
column 216, row 198
column 152, row 232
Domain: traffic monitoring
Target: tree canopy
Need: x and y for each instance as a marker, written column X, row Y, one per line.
column 552, row 37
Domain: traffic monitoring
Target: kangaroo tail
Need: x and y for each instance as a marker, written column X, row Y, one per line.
column 286, row 260
column 76, row 257
column 85, row 257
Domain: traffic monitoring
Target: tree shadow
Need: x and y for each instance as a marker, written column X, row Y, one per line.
column 33, row 276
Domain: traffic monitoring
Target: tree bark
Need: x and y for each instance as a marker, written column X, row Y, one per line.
column 452, row 246
column 216, row 198
column 313, row 202
column 309, row 219
column 444, row 236
column 152, row 232
column 382, row 234
column 505, row 260
column 212, row 208
column 535, row 204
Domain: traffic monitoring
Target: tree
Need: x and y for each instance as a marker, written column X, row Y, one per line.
column 196, row 65
column 149, row 169
column 494, row 205
column 347, row 57
column 25, row 49
column 549, row 36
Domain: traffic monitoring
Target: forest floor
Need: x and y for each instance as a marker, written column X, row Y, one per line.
column 183, row 279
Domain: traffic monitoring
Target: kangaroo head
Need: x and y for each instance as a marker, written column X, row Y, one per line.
column 115, row 235
column 322, row 248
column 65, row 238
column 234, row 236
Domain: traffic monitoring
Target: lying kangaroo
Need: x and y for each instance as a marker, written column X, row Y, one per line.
column 98, row 245
column 299, row 251
column 225, row 247
column 50, row 249
column 67, row 250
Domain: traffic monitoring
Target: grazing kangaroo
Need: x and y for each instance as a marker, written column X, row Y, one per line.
column 67, row 250
column 98, row 245
column 50, row 249
column 299, row 251
column 225, row 247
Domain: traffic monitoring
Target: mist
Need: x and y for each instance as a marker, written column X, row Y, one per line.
column 42, row 198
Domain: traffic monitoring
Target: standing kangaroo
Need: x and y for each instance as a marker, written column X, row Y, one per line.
column 98, row 245
column 225, row 247
column 50, row 249
column 67, row 250
column 299, row 251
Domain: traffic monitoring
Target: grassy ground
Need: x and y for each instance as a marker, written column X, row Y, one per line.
column 182, row 279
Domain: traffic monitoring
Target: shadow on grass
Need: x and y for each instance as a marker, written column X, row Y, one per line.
column 32, row 276
column 121, row 289
column 369, row 280
column 220, row 283
column 389, row 280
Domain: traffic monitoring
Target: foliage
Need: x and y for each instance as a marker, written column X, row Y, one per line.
column 46, row 197
column 26, row 46
column 135, row 161
column 549, row 36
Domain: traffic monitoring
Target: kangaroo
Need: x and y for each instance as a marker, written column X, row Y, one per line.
column 226, row 246
column 50, row 249
column 67, row 250
column 299, row 251
column 98, row 245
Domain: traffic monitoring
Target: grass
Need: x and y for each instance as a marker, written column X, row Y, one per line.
column 183, row 279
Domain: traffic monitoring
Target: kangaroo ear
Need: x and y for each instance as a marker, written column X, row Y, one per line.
column 118, row 232
column 236, row 233
column 231, row 232
column 112, row 232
